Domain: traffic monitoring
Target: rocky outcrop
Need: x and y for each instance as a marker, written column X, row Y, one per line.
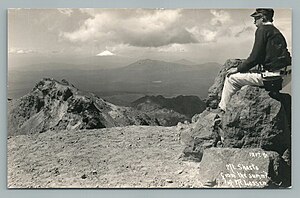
column 254, row 118
column 53, row 105
column 170, row 111
column 186, row 105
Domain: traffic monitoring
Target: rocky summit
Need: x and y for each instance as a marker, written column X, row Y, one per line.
column 254, row 118
column 54, row 105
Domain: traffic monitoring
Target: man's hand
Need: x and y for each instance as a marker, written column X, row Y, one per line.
column 232, row 71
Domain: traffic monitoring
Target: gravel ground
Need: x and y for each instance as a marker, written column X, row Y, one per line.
column 120, row 157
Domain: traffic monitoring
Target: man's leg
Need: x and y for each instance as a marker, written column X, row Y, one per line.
column 234, row 82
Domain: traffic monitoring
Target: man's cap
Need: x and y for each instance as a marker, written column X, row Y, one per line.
column 259, row 12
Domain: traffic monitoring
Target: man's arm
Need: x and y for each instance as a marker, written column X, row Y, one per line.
column 257, row 53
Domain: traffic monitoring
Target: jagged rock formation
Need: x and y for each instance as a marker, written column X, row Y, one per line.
column 53, row 105
column 170, row 111
column 254, row 118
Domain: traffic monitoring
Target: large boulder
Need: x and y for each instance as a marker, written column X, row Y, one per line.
column 243, row 168
column 257, row 119
column 201, row 134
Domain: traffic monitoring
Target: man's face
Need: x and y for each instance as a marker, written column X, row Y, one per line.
column 258, row 21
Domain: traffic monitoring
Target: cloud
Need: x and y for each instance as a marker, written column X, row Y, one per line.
column 21, row 51
column 88, row 11
column 172, row 48
column 217, row 26
column 65, row 11
column 204, row 34
column 221, row 17
column 208, row 35
column 143, row 28
column 106, row 53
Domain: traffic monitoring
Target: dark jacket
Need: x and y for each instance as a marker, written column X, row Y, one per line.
column 262, row 51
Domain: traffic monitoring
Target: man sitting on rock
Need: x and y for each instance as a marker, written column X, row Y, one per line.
column 264, row 55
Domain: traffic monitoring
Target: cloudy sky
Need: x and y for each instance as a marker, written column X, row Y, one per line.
column 198, row 35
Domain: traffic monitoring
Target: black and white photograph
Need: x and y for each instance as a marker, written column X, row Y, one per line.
column 110, row 98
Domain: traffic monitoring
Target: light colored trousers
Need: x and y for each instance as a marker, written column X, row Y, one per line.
column 236, row 81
